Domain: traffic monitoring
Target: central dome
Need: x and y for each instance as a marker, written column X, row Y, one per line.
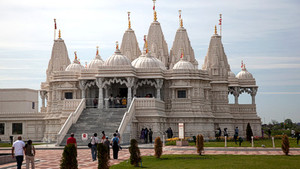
column 183, row 64
column 148, row 61
column 117, row 59
column 96, row 62
column 244, row 74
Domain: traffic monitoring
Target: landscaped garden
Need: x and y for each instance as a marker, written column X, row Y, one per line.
column 258, row 142
column 215, row 161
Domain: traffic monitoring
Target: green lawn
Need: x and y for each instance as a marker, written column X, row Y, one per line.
column 257, row 143
column 216, row 161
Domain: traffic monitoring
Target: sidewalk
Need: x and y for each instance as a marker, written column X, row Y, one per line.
column 48, row 156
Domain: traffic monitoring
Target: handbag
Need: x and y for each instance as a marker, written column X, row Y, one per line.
column 90, row 144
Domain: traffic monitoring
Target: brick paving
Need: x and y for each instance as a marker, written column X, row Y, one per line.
column 50, row 158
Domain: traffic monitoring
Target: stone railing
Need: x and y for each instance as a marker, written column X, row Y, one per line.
column 73, row 117
column 71, row 104
column 126, row 121
column 146, row 103
column 242, row 108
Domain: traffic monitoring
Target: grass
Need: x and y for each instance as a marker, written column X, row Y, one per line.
column 215, row 161
column 9, row 145
column 257, row 143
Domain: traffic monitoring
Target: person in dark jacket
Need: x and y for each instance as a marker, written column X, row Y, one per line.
column 115, row 146
column 106, row 144
column 150, row 135
column 146, row 135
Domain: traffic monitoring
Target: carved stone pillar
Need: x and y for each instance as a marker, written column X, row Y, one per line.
column 253, row 94
column 236, row 95
column 82, row 88
column 129, row 84
column 99, row 82
column 43, row 96
column 159, row 83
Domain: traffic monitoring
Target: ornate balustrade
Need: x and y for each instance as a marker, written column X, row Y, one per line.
column 73, row 117
column 242, row 108
column 71, row 104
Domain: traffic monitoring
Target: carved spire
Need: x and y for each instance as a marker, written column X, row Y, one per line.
column 129, row 23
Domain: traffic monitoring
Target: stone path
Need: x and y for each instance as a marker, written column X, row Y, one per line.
column 50, row 158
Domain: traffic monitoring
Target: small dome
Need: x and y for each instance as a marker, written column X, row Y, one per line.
column 231, row 74
column 244, row 74
column 75, row 66
column 183, row 64
column 95, row 62
column 117, row 59
column 147, row 61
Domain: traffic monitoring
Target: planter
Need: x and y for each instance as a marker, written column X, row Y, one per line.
column 182, row 143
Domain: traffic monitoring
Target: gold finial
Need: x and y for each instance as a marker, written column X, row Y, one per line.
column 155, row 15
column 216, row 29
column 146, row 43
column 97, row 53
column 59, row 34
column 117, row 45
column 129, row 23
column 181, row 23
column 75, row 55
column 180, row 20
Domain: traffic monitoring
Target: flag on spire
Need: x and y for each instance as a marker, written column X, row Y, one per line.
column 242, row 65
column 182, row 54
column 179, row 14
column 154, row 5
column 220, row 20
column 97, row 53
column 55, row 24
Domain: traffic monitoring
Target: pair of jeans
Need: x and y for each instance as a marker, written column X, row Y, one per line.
column 29, row 159
column 19, row 161
column 94, row 151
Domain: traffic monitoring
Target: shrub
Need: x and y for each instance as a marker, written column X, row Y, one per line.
column 158, row 147
column 103, row 161
column 199, row 144
column 249, row 132
column 135, row 154
column 69, row 157
column 285, row 145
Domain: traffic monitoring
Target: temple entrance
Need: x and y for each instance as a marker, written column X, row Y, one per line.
column 118, row 96
column 92, row 94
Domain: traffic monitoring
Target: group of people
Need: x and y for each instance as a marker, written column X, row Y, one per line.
column 19, row 148
column 218, row 132
column 115, row 143
column 117, row 102
column 146, row 134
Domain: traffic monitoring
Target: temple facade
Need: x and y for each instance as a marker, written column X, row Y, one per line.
column 154, row 87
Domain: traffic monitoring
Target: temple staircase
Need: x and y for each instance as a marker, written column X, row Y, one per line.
column 95, row 121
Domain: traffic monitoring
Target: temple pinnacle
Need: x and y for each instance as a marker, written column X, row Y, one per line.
column 129, row 23
column 59, row 34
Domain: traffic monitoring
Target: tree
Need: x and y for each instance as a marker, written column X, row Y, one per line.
column 249, row 132
column 199, row 144
column 135, row 154
column 158, row 147
column 285, row 145
column 103, row 161
column 69, row 157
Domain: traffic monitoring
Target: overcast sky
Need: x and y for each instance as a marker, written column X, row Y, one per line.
column 265, row 34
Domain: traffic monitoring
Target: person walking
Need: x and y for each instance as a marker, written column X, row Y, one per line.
column 225, row 132
column 115, row 146
column 150, row 135
column 72, row 140
column 94, row 142
column 29, row 154
column 106, row 144
column 142, row 135
column 18, row 151
column 236, row 131
column 119, row 136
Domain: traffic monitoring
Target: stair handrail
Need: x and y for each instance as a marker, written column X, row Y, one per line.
column 127, row 118
column 73, row 117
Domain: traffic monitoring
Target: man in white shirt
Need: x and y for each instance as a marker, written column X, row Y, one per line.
column 94, row 142
column 17, row 151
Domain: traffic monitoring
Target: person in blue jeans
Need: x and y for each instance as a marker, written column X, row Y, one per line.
column 94, row 142
column 17, row 151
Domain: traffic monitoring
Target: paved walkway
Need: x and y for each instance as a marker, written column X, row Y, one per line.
column 50, row 157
